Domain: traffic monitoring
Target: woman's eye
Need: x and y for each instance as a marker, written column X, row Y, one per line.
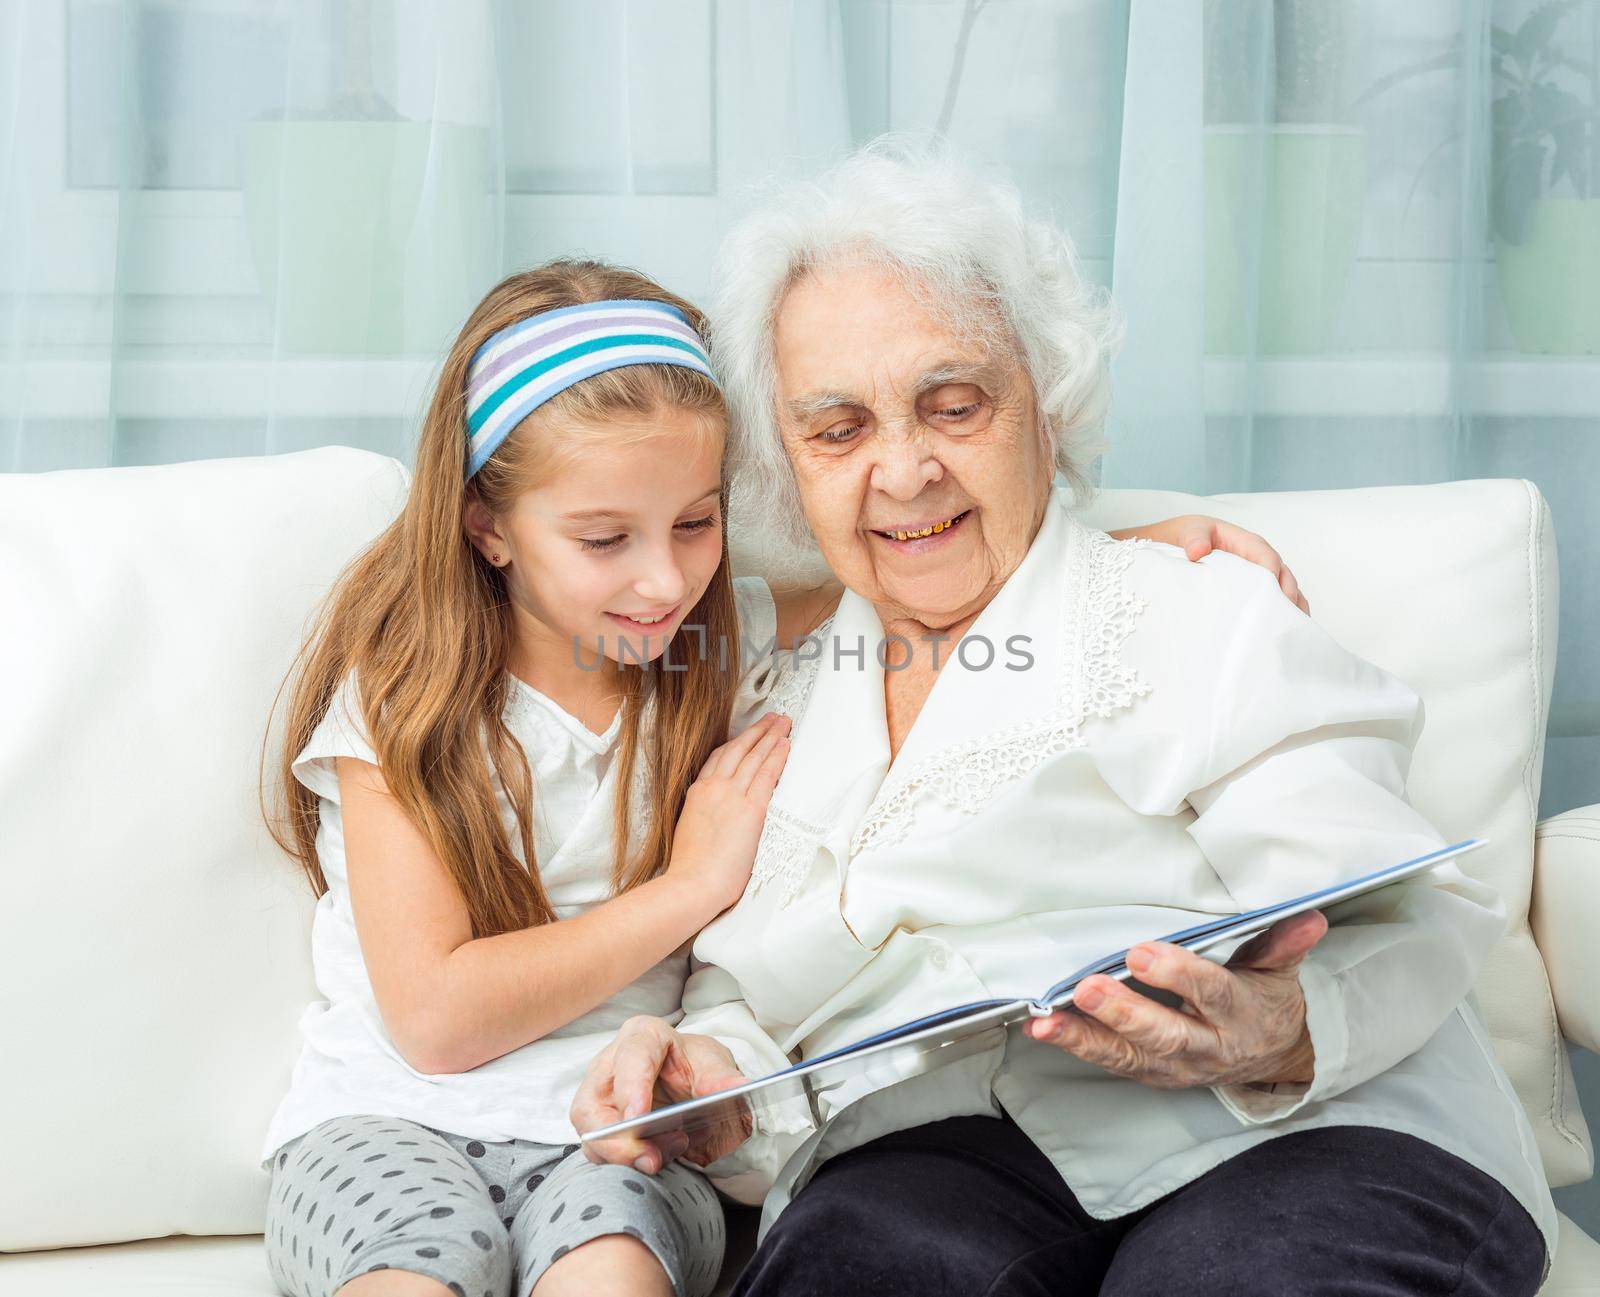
column 607, row 542
column 958, row 412
column 835, row 436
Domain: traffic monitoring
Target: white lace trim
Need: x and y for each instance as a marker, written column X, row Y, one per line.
column 1100, row 614
column 791, row 691
column 788, row 844
column 785, row 854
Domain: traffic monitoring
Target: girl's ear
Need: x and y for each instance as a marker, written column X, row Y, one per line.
column 482, row 529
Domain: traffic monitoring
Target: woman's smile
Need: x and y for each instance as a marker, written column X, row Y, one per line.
column 921, row 538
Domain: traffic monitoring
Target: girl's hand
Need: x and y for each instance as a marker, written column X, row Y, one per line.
column 1197, row 535
column 715, row 842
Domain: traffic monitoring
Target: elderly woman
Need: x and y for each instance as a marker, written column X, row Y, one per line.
column 912, row 364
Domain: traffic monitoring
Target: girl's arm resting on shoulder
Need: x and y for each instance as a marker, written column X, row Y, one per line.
column 1197, row 535
column 451, row 1001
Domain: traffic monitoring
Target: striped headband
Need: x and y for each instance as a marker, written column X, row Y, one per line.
column 523, row 365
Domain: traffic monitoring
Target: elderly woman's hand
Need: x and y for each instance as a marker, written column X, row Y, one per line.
column 1197, row 535
column 1241, row 1023
column 650, row 1065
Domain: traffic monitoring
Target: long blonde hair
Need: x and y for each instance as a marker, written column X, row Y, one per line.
column 425, row 623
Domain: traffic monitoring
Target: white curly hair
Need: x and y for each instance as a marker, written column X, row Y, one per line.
column 965, row 245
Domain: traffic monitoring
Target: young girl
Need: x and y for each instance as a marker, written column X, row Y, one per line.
column 506, row 778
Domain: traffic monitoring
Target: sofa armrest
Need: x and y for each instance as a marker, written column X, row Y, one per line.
column 1566, row 918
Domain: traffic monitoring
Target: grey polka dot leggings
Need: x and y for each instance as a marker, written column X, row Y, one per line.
column 484, row 1218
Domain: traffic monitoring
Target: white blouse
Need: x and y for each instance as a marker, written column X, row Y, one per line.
column 348, row 1064
column 1185, row 744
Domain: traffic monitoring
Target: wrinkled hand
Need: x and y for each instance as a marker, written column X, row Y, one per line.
column 1243, row 1022
column 648, row 1066
column 1198, row 535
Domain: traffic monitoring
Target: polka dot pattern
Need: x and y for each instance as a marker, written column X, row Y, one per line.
column 484, row 1218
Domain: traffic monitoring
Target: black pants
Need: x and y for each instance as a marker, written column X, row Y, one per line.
column 970, row 1206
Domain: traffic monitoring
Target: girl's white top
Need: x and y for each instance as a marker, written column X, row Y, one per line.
column 349, row 1065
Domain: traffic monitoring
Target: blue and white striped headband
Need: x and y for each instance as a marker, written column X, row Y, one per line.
column 523, row 365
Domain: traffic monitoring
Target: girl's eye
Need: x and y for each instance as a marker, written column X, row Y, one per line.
column 608, row 542
column 699, row 524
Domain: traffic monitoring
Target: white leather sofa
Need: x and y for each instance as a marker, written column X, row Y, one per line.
column 153, row 942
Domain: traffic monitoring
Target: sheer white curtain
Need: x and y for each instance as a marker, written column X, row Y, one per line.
column 1359, row 243
column 1356, row 242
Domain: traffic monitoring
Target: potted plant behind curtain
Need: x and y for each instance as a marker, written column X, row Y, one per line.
column 367, row 228
column 1544, row 182
column 1285, row 174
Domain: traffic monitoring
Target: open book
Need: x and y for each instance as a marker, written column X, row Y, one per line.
column 931, row 1041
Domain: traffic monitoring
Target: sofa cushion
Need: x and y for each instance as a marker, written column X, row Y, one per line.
column 162, row 1267
column 156, row 952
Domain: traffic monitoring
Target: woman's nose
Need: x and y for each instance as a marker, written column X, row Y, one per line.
column 904, row 467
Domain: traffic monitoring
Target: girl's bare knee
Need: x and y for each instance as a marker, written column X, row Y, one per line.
column 616, row 1263
column 393, row 1283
